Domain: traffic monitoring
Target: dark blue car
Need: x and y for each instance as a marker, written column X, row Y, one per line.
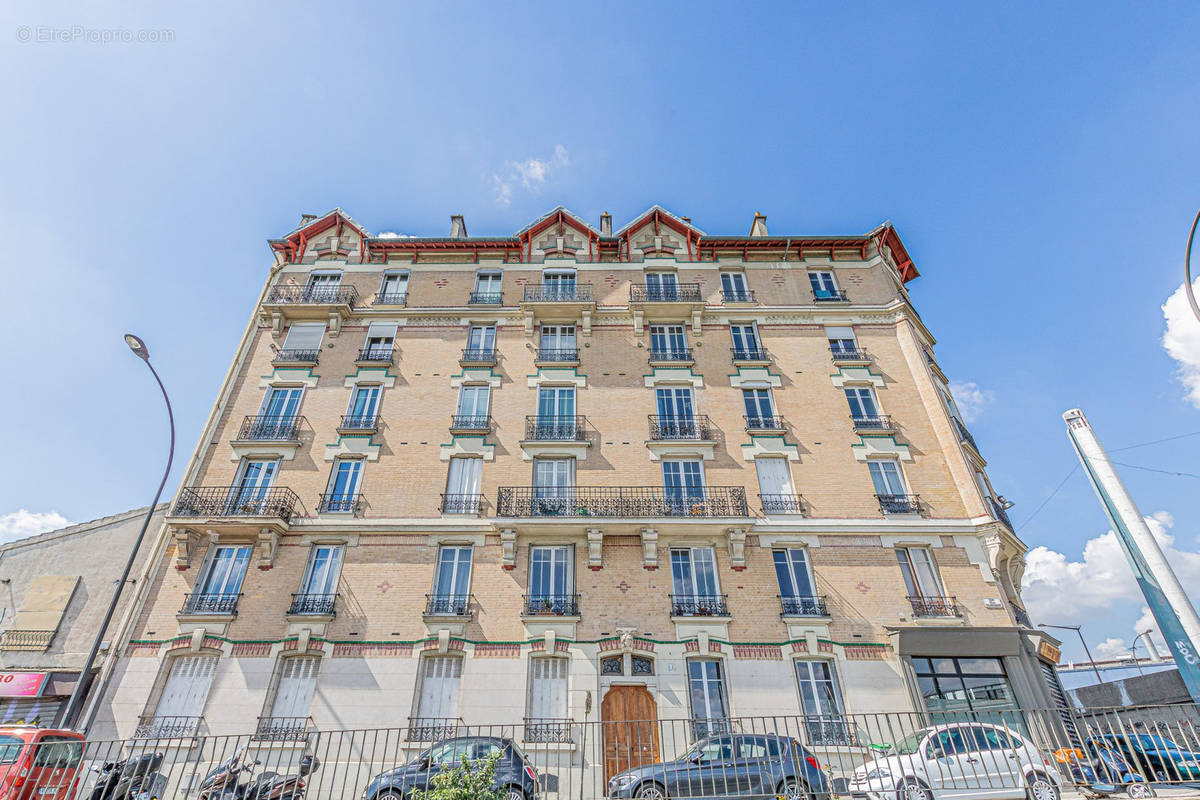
column 514, row 773
column 731, row 765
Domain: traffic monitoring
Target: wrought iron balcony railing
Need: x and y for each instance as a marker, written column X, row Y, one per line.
column 153, row 726
column 478, row 355
column 621, row 501
column 704, row 605
column 848, row 354
column 552, row 605
column 448, row 605
column 547, row 731
column 555, row 429
column 462, row 503
column 964, row 435
column 313, row 295
column 558, row 293
column 15, row 639
column 236, row 501
column 296, row 356
column 391, row 298
column 671, row 355
column 782, row 503
column 829, row 731
column 935, row 606
column 830, row 296
column 377, row 354
column 342, row 503
column 486, row 298
column 749, row 353
column 307, row 604
column 210, row 603
column 432, row 729
column 659, row 293
column 764, row 422
column 270, row 429
column 804, row 606
column 558, row 355
column 360, row 422
column 471, row 423
column 282, row 729
column 737, row 296
column 899, row 503
column 663, row 428
column 877, row 422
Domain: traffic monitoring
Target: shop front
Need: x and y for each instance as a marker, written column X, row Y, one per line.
column 34, row 698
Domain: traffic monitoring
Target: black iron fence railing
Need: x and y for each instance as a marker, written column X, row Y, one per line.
column 964, row 435
column 433, row 729
column 621, row 501
column 830, row 296
column 737, row 296
column 552, row 605
column 764, row 422
column 899, row 503
column 282, row 729
column 548, row 731
column 672, row 427
column 557, row 355
column 782, row 503
column 670, row 293
column 478, row 355
column 342, row 503
column 359, row 422
column 313, row 295
column 448, row 605
column 391, row 298
column 558, row 293
column 153, row 726
column 473, row 423
column 462, row 503
column 293, row 355
column 749, row 353
column 804, row 606
column 307, row 604
column 377, row 354
column 876, row 422
column 210, row 603
column 486, row 298
column 703, row 605
column 270, row 429
column 236, row 501
column 715, row 726
column 849, row 354
column 670, row 355
column 555, row 429
column 929, row 606
column 16, row 639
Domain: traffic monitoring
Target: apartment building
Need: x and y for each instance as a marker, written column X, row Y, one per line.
column 584, row 474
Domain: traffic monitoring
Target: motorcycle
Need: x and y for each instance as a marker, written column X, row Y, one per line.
column 1104, row 775
column 224, row 783
column 130, row 779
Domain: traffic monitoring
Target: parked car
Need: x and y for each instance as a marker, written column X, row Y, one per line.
column 1156, row 756
column 756, row 765
column 38, row 763
column 960, row 760
column 514, row 771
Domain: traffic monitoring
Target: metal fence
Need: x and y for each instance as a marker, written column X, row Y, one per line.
column 910, row 756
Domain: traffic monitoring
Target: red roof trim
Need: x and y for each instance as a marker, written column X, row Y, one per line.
column 904, row 262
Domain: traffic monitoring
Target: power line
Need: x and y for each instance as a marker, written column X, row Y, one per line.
column 1051, row 497
column 1152, row 469
column 1156, row 441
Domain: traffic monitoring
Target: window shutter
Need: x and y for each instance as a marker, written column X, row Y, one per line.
column 382, row 330
column 304, row 336
column 548, row 688
column 439, row 688
column 187, row 687
column 832, row 332
column 774, row 478
column 297, row 682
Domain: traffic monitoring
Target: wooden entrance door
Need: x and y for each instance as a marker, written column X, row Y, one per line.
column 629, row 717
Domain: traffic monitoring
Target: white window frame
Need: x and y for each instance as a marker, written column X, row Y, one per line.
column 797, row 563
column 554, row 706
column 772, row 411
column 689, row 587
column 331, row 567
column 721, row 683
column 556, row 336
column 364, row 388
column 745, row 349
column 458, row 555
column 736, row 277
column 909, row 568
column 269, row 395
column 553, row 565
column 167, row 721
column 296, row 698
column 668, row 332
column 490, row 277
column 301, row 328
column 231, row 583
column 836, row 333
column 474, row 390
column 487, row 330
column 859, row 392
column 381, row 339
column 464, row 476
column 874, row 464
column 401, row 276
column 344, row 500
column 826, row 279
column 449, row 686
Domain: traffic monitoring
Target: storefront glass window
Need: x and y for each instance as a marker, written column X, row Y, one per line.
column 966, row 688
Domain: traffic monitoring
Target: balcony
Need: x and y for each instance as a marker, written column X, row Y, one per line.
column 764, row 423
column 270, row 429
column 557, row 356
column 964, row 435
column 341, row 504
column 547, row 731
column 704, row 605
column 237, row 503
column 673, row 357
column 432, row 729
column 543, row 605
column 152, row 726
column 296, row 358
column 782, row 503
column 310, row 302
column 935, row 606
column 312, row 605
column 849, row 355
column 671, row 293
column 878, row 423
column 462, row 503
column 555, row 429
column 831, row 296
column 803, row 606
column 468, row 424
column 565, row 293
column 478, row 357
column 744, row 296
column 749, row 355
column 358, row 423
column 204, row 604
column 282, row 729
column 486, row 298
column 666, row 303
column 448, row 605
column 621, row 502
column 558, row 302
column 375, row 355
column 899, row 503
column 391, row 299
column 680, row 428
column 35, row 641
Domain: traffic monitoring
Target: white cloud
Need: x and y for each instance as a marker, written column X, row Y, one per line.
column 531, row 174
column 22, row 523
column 1112, row 647
column 1181, row 340
column 970, row 399
column 394, row 235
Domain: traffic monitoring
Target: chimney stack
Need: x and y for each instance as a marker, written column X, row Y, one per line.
column 759, row 226
column 307, row 218
column 687, row 220
column 458, row 227
column 606, row 224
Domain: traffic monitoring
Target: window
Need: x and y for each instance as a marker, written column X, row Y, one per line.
column 323, row 569
column 303, row 341
column 556, row 403
column 920, row 577
column 481, row 339
column 676, row 413
column 841, row 340
column 323, row 286
column 294, row 692
column 277, row 417
column 760, row 410
column 560, row 283
column 775, row 486
column 487, row 287
column 557, row 342
column 394, row 289
column 553, row 480
column 57, row 752
column 683, row 483
column 551, row 579
column 453, row 577
column 733, row 287
column 823, row 285
column 964, row 687
column 668, row 342
column 225, row 571
column 745, row 342
column 182, row 700
column 662, row 286
column 438, row 703
column 342, row 494
column 547, row 693
column 381, row 337
column 706, row 690
column 822, row 704
column 255, row 476
column 694, row 574
column 794, row 574
column 885, row 474
column 462, row 486
column 862, row 402
column 364, row 406
column 473, row 402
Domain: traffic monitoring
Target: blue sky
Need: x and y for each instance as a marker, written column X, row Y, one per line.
column 1039, row 161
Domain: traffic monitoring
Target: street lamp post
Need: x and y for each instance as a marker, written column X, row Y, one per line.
column 75, row 703
column 1079, row 632
column 1150, row 649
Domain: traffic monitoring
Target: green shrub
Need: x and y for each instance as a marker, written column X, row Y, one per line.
column 470, row 780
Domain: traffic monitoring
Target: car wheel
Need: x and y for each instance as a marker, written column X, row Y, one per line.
column 791, row 789
column 1040, row 787
column 1138, row 790
column 913, row 789
column 514, row 793
column 651, row 791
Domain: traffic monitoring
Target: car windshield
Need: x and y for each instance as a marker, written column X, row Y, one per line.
column 909, row 744
column 10, row 748
column 1156, row 743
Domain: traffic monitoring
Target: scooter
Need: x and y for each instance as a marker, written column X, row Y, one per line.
column 222, row 783
column 1103, row 776
column 130, row 779
column 1112, row 763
